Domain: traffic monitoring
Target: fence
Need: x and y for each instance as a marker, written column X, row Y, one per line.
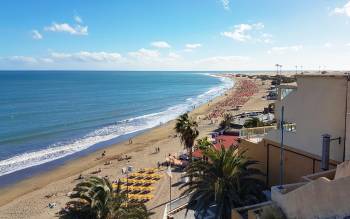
column 248, row 133
column 255, row 132
column 177, row 204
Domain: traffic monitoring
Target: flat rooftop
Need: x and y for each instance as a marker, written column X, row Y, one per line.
column 331, row 74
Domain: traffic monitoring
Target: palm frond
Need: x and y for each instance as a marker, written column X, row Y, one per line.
column 227, row 180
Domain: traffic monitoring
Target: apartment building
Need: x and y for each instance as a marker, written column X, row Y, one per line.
column 316, row 105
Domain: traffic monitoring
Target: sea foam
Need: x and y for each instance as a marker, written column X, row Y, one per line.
column 120, row 128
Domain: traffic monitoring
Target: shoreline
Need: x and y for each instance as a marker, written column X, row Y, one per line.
column 19, row 166
column 29, row 198
column 77, row 165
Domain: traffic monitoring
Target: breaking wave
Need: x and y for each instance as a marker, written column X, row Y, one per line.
column 120, row 128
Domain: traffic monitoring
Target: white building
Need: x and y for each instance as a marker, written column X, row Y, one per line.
column 318, row 105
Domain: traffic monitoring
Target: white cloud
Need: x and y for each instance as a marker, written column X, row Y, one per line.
column 144, row 54
column 221, row 62
column 239, row 33
column 87, row 56
column 328, row 45
column 266, row 38
column 57, row 55
column 193, row 45
column 148, row 59
column 160, row 44
column 173, row 55
column 36, row 35
column 242, row 32
column 284, row 49
column 23, row 59
column 78, row 19
column 64, row 27
column 345, row 10
column 47, row 60
column 219, row 59
column 226, row 4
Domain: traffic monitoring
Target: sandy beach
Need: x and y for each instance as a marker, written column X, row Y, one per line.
column 30, row 198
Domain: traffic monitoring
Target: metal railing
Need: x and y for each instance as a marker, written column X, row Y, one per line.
column 177, row 204
column 248, row 133
column 255, row 132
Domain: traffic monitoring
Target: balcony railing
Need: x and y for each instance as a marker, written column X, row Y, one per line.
column 248, row 133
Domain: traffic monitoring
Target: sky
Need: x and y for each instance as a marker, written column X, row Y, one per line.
column 224, row 35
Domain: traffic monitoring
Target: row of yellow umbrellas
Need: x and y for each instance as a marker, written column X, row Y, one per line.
column 135, row 188
column 147, row 170
column 138, row 181
column 145, row 175
column 140, row 197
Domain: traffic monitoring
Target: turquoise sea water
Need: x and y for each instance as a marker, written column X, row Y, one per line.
column 49, row 115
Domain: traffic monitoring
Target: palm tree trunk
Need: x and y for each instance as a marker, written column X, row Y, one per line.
column 190, row 159
column 190, row 155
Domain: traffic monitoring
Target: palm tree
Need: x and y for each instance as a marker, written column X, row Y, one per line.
column 253, row 122
column 227, row 180
column 187, row 128
column 95, row 198
column 203, row 144
column 226, row 122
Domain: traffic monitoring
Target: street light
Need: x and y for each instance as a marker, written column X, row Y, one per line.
column 277, row 65
column 127, row 182
column 281, row 69
column 169, row 172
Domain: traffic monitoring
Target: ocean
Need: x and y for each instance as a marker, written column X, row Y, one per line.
column 48, row 116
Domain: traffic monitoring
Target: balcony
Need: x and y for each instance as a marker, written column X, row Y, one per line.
column 328, row 191
column 271, row 132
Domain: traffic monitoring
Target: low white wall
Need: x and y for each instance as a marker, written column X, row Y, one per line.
column 321, row 198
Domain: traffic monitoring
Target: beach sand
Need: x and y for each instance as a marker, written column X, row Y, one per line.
column 30, row 198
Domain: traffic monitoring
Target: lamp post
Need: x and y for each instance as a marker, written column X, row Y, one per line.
column 127, row 186
column 127, row 183
column 170, row 176
column 282, row 149
column 280, row 70
column 277, row 65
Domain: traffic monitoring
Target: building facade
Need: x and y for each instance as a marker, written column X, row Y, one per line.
column 314, row 106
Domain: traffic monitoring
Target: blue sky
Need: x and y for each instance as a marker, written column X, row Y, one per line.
column 174, row 34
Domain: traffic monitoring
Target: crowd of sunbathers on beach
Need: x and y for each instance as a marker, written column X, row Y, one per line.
column 244, row 90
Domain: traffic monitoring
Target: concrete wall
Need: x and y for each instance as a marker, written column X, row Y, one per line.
column 347, row 140
column 255, row 151
column 297, row 163
column 317, row 107
column 321, row 198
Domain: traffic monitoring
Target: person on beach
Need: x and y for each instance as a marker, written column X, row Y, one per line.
column 130, row 141
column 103, row 154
